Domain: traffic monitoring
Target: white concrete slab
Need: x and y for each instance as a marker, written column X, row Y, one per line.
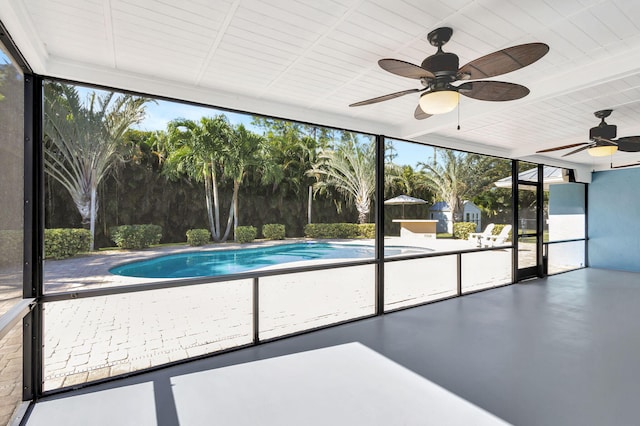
column 341, row 385
column 123, row 406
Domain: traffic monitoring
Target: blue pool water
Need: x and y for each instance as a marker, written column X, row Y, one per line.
column 222, row 262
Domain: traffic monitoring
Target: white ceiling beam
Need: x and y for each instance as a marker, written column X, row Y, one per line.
column 18, row 23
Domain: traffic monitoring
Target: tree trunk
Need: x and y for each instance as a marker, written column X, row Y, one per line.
column 309, row 204
column 229, row 223
column 362, row 205
column 216, row 198
column 207, row 191
column 94, row 208
column 236, row 188
column 456, row 206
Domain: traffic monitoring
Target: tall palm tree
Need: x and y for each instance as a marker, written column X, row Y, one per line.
column 457, row 176
column 244, row 152
column 196, row 149
column 83, row 141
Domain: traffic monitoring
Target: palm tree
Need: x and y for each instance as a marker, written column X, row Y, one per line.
column 351, row 170
column 83, row 141
column 243, row 153
column 196, row 149
column 457, row 176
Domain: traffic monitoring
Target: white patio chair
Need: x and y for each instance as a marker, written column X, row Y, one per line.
column 476, row 237
column 496, row 240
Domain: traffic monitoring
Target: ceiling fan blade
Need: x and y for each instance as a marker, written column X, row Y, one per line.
column 503, row 61
column 493, row 90
column 404, row 69
column 604, row 141
column 629, row 143
column 420, row 114
column 385, row 97
column 637, row 163
column 558, row 148
column 575, row 151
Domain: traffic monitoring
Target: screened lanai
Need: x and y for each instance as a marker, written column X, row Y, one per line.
column 239, row 119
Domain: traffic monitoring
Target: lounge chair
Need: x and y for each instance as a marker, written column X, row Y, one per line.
column 476, row 237
column 496, row 240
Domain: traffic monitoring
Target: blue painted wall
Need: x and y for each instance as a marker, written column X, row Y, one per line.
column 614, row 220
column 566, row 199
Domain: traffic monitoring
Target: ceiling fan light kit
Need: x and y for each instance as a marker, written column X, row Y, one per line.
column 602, row 151
column 439, row 102
column 438, row 72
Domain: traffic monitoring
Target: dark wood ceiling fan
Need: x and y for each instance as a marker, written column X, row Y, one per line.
column 601, row 136
column 438, row 72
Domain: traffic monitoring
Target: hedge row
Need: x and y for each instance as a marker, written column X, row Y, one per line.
column 246, row 234
column 136, row 236
column 367, row 230
column 198, row 237
column 498, row 228
column 340, row 230
column 461, row 230
column 60, row 243
column 273, row 231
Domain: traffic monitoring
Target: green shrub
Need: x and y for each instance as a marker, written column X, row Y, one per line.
column 273, row 231
column 461, row 230
column 65, row 242
column 332, row 230
column 198, row 237
column 498, row 228
column 136, row 236
column 367, row 230
column 246, row 234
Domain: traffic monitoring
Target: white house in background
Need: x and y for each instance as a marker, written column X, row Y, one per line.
column 441, row 212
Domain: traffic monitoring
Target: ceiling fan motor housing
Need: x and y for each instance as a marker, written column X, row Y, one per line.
column 606, row 131
column 442, row 64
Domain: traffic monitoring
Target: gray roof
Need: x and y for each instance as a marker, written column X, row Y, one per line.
column 443, row 206
column 549, row 175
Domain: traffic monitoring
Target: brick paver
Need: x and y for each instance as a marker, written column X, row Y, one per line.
column 10, row 373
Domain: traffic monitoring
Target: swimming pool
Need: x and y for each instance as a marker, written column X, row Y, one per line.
column 223, row 262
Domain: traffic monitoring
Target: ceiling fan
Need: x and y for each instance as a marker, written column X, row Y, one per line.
column 438, row 71
column 603, row 140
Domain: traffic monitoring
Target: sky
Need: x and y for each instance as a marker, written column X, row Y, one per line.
column 159, row 113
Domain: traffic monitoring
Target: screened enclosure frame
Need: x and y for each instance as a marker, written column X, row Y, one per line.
column 30, row 309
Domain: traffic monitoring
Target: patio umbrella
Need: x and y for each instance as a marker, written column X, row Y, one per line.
column 404, row 199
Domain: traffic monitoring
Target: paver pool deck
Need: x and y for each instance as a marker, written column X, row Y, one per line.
column 93, row 338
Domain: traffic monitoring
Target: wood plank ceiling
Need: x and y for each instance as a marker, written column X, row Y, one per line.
column 309, row 59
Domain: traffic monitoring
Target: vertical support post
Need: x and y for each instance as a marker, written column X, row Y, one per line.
column 514, row 219
column 309, row 201
column 586, row 225
column 379, row 221
column 540, row 222
column 459, row 274
column 256, row 311
column 33, row 235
